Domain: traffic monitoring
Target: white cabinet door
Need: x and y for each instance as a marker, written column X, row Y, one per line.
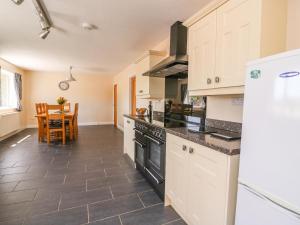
column 142, row 82
column 202, row 53
column 176, row 173
column 207, row 186
column 238, row 40
column 128, row 137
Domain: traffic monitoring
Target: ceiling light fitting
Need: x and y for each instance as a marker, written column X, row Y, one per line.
column 70, row 78
column 18, row 2
column 44, row 19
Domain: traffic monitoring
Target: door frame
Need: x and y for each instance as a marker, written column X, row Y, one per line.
column 115, row 105
column 133, row 95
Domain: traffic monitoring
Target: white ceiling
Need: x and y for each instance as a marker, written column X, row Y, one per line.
column 126, row 29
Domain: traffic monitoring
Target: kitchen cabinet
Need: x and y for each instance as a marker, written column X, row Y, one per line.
column 128, row 137
column 202, row 53
column 222, row 41
column 201, row 183
column 149, row 87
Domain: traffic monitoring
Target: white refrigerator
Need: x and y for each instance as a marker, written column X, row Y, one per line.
column 269, row 175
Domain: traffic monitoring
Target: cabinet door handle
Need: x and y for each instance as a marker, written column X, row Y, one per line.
column 208, row 81
column 140, row 91
column 217, row 79
column 191, row 150
column 184, row 148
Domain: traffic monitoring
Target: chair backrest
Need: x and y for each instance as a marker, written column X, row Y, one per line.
column 43, row 105
column 67, row 107
column 38, row 108
column 54, row 107
column 76, row 109
column 54, row 117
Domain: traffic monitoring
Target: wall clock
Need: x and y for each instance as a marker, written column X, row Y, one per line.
column 64, row 85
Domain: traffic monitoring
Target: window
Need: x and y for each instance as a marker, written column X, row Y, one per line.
column 8, row 97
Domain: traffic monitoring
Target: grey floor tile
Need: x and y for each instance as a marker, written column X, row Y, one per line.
column 177, row 222
column 22, row 176
column 106, row 181
column 81, row 198
column 13, row 212
column 7, row 187
column 150, row 198
column 13, row 170
column 131, row 188
column 155, row 215
column 42, row 182
column 75, row 216
column 114, row 207
column 17, row 197
column 110, row 221
column 13, row 222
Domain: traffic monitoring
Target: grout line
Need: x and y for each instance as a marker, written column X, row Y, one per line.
column 59, row 203
column 85, row 168
column 129, row 181
column 171, row 221
column 88, row 212
column 52, row 160
column 86, row 189
column 68, row 163
column 141, row 200
column 64, row 182
column 36, row 194
column 112, row 195
column 46, row 174
column 120, row 220
column 105, row 173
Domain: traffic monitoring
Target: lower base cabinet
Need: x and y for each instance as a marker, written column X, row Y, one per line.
column 128, row 137
column 201, row 183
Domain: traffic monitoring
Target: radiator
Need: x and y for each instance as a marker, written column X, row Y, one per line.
column 9, row 123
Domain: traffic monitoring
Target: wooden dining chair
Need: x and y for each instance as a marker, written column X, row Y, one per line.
column 55, row 123
column 67, row 107
column 73, row 126
column 41, row 122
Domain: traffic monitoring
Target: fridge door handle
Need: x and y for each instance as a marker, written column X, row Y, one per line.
column 268, row 199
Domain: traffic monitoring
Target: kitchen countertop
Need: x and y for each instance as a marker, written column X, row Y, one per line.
column 231, row 147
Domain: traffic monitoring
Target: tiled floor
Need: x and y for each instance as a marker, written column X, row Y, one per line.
column 87, row 182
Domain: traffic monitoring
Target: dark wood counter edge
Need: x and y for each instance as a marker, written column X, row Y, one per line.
column 230, row 152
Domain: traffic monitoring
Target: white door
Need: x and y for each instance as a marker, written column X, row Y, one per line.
column 270, row 152
column 238, row 40
column 202, row 52
column 252, row 209
column 176, row 173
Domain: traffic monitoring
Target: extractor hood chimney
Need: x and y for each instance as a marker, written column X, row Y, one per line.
column 177, row 62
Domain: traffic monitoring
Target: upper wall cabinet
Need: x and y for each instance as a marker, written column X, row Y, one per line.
column 222, row 42
column 149, row 87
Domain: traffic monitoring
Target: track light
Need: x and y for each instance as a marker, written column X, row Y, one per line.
column 18, row 2
column 44, row 33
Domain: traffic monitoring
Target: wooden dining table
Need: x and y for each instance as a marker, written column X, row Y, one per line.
column 68, row 116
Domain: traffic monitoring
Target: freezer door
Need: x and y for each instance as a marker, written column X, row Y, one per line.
column 252, row 209
column 270, row 151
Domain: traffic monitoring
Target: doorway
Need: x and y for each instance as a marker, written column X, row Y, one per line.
column 133, row 95
column 115, row 105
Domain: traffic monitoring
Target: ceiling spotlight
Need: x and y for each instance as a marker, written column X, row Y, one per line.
column 18, row 2
column 44, row 33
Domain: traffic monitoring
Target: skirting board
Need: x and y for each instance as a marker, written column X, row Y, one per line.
column 11, row 134
column 80, row 124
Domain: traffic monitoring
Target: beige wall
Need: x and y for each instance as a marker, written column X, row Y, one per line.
column 93, row 92
column 16, row 121
column 293, row 31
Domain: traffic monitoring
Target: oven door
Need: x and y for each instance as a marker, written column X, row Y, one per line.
column 155, row 158
column 140, row 150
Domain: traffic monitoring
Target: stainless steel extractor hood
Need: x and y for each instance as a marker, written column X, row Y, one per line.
column 177, row 62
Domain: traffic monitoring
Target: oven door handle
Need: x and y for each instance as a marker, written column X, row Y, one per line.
column 140, row 132
column 152, row 139
column 139, row 143
column 151, row 174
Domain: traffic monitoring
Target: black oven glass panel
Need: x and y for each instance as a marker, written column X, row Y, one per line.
column 155, row 155
column 139, row 154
